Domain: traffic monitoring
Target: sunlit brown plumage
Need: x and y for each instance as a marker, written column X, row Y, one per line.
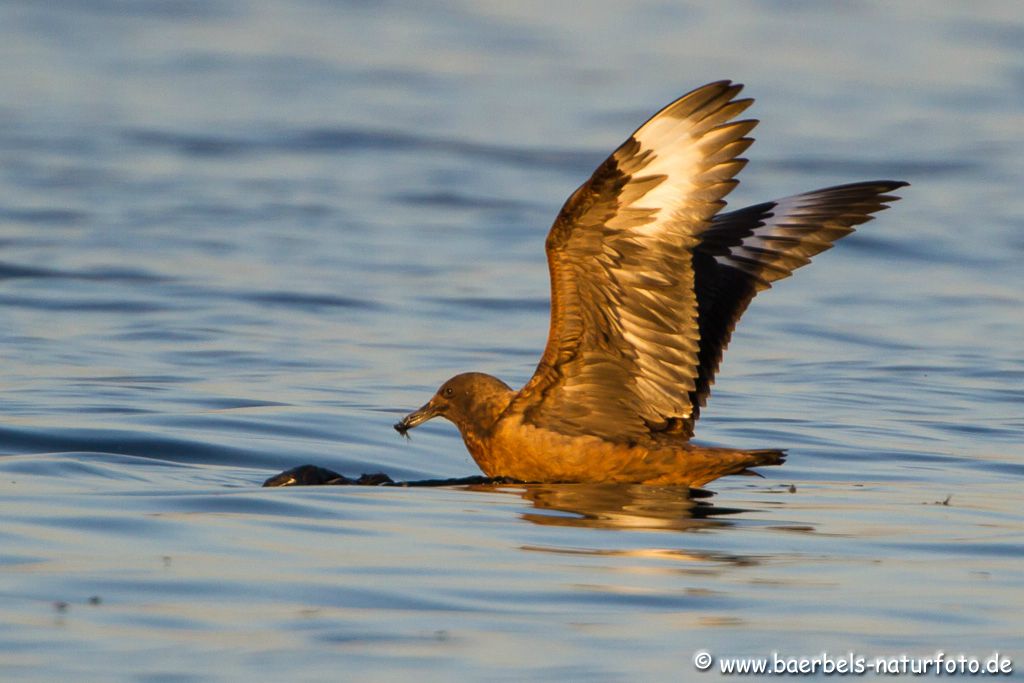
column 648, row 280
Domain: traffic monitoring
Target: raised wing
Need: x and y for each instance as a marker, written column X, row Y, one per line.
column 744, row 251
column 624, row 343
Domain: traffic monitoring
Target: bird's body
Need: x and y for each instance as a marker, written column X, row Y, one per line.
column 504, row 442
column 522, row 451
column 648, row 280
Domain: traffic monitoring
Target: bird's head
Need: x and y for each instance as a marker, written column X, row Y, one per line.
column 472, row 400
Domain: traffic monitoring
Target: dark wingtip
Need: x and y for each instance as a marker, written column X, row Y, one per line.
column 890, row 185
column 402, row 429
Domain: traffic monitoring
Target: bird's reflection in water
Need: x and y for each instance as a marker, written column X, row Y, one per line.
column 618, row 506
column 596, row 506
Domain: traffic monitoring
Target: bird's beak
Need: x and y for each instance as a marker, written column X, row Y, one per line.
column 417, row 417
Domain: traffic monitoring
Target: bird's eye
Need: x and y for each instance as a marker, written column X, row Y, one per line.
column 448, row 392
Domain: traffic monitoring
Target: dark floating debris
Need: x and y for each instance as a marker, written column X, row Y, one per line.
column 313, row 475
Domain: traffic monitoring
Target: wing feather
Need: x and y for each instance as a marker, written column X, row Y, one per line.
column 648, row 283
column 744, row 251
column 622, row 352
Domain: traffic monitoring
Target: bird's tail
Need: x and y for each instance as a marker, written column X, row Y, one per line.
column 721, row 462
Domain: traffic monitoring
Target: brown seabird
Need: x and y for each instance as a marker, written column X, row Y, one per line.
column 648, row 280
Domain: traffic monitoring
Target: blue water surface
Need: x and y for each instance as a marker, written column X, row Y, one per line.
column 236, row 237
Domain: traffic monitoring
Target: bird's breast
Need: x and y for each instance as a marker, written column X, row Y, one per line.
column 520, row 450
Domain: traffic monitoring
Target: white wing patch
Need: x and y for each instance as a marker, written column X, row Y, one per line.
column 684, row 158
column 676, row 159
